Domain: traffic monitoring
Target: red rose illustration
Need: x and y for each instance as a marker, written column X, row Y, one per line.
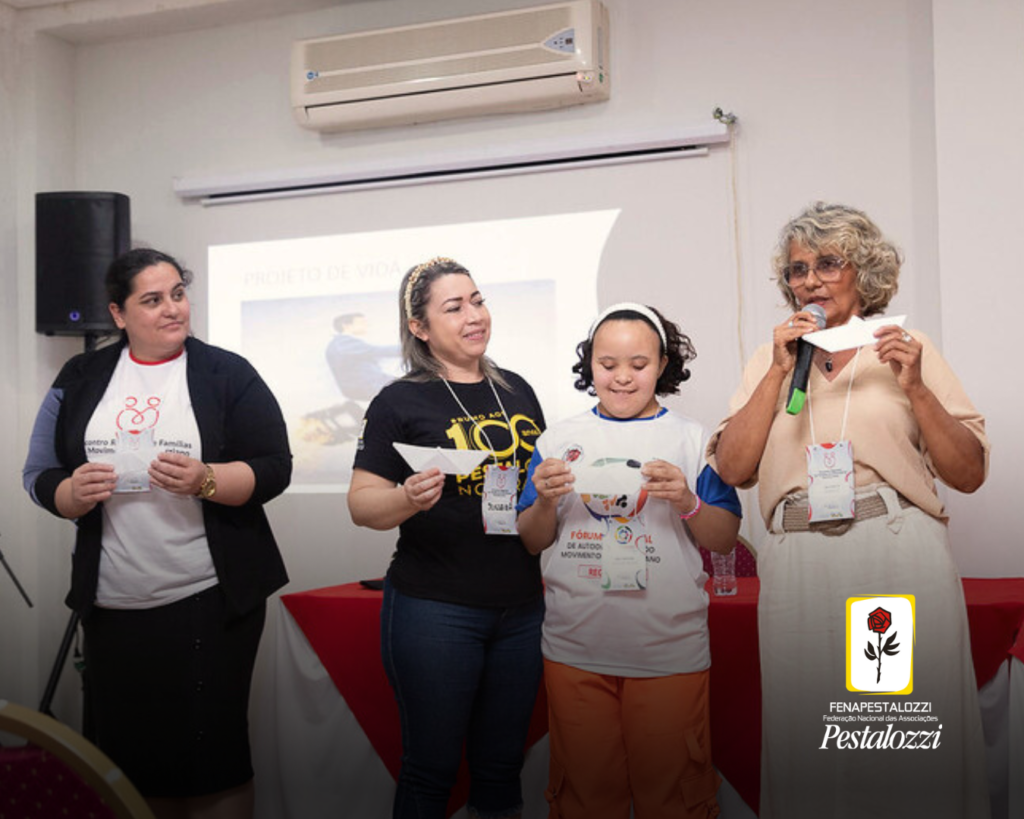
column 879, row 621
column 573, row 453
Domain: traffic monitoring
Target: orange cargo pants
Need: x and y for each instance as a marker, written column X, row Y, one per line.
column 617, row 741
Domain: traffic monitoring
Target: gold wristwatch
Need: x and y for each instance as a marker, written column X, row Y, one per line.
column 208, row 488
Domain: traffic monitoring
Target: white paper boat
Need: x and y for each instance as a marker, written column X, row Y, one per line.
column 449, row 461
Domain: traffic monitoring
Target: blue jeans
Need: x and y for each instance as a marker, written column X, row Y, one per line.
column 461, row 675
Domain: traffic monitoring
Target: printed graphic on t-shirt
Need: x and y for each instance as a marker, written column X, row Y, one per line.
column 135, row 443
column 145, row 411
column 486, row 430
column 616, row 521
column 138, row 415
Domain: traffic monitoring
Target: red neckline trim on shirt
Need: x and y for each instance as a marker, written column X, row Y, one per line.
column 154, row 363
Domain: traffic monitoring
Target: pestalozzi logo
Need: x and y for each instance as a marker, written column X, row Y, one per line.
column 888, row 738
column 879, row 621
column 880, row 637
column 880, row 633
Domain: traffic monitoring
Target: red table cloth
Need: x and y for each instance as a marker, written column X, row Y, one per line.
column 342, row 624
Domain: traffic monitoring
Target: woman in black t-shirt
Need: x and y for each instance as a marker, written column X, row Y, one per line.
column 463, row 604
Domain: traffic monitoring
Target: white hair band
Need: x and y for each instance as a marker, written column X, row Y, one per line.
column 632, row 307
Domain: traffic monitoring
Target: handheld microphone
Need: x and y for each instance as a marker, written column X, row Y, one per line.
column 802, row 370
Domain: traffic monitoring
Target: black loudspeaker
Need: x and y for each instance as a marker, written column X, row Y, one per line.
column 78, row 235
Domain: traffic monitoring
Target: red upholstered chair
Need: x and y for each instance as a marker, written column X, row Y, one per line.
column 58, row 772
column 746, row 559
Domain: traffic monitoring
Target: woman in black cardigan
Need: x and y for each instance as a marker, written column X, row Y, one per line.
column 163, row 450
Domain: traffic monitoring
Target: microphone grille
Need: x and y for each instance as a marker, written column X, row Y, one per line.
column 818, row 312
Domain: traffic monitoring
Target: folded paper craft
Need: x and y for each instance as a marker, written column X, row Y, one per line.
column 608, row 478
column 449, row 461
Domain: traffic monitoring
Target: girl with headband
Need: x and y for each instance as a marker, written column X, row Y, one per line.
column 463, row 602
column 623, row 494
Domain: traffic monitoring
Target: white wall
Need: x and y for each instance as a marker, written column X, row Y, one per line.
column 43, row 158
column 979, row 121
column 858, row 131
column 847, row 102
column 17, row 620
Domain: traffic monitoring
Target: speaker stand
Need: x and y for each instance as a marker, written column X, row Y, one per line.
column 58, row 665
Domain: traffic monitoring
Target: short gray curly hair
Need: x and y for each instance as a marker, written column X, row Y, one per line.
column 848, row 231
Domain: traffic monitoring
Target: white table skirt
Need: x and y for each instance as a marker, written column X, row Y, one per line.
column 317, row 762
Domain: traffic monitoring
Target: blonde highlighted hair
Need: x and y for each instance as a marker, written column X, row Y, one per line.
column 413, row 297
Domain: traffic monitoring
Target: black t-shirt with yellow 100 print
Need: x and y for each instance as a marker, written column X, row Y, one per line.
column 443, row 553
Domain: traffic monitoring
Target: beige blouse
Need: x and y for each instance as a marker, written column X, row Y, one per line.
column 887, row 443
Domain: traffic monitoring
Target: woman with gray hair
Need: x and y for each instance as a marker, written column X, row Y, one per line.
column 463, row 602
column 859, row 592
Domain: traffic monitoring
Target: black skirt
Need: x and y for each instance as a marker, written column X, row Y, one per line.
column 167, row 693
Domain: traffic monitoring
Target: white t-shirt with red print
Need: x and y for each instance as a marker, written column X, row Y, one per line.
column 154, row 542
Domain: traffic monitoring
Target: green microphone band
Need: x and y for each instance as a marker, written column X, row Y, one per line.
column 796, row 402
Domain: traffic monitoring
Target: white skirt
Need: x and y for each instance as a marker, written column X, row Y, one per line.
column 806, row 578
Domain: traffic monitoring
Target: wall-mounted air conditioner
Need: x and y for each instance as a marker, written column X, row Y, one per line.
column 523, row 60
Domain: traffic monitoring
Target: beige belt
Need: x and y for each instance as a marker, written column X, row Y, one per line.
column 794, row 513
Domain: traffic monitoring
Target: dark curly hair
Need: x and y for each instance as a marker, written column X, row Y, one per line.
column 680, row 351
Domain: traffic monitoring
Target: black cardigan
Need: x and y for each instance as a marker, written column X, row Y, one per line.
column 238, row 419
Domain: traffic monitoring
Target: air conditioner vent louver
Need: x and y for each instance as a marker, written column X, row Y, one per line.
column 437, row 40
column 469, row 69
column 530, row 59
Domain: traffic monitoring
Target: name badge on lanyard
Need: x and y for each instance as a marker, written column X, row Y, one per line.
column 623, row 557
column 499, row 498
column 830, row 485
column 500, row 480
column 830, row 479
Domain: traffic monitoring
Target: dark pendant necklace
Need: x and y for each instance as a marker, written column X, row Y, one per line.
column 828, row 364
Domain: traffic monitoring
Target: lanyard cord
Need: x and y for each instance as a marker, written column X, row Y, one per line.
column 846, row 409
column 494, row 454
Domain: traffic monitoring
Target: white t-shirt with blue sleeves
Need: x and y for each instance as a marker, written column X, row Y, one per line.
column 662, row 628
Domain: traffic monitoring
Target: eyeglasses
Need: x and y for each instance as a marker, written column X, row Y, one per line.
column 826, row 268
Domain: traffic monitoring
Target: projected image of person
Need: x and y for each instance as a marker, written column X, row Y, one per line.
column 356, row 367
column 847, row 490
column 354, row 362
column 463, row 604
column 163, row 450
column 623, row 493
